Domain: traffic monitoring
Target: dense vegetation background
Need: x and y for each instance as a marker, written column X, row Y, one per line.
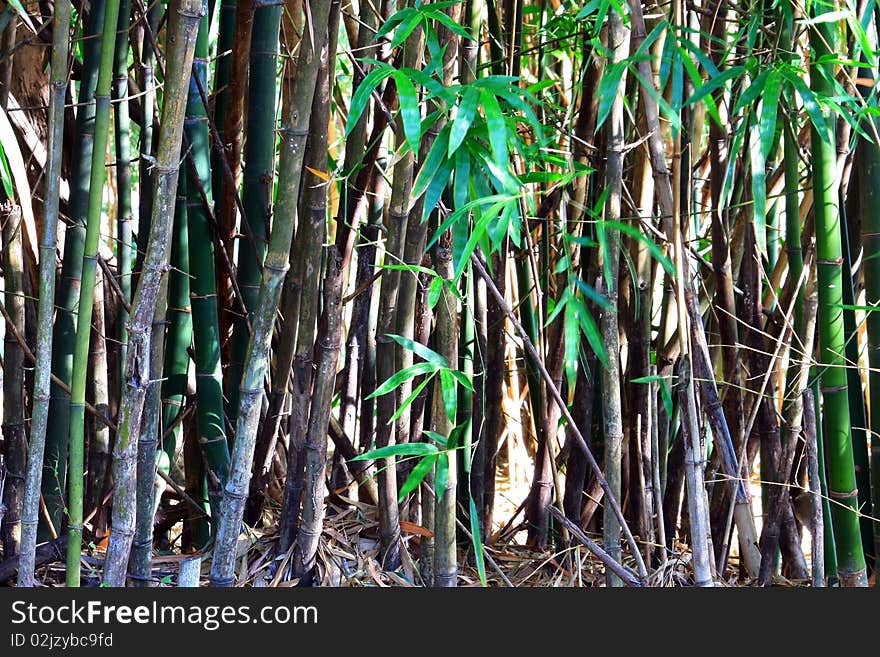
column 341, row 292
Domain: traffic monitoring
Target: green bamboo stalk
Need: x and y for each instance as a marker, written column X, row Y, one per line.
column 64, row 339
column 294, row 133
column 182, row 32
column 180, row 332
column 837, row 429
column 446, row 338
column 79, row 380
column 206, row 331
column 147, row 146
column 196, row 531
column 98, row 432
column 45, row 311
column 223, row 66
column 14, row 408
column 122, row 129
column 258, row 175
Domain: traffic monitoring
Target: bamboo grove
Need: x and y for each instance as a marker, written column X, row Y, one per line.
column 293, row 290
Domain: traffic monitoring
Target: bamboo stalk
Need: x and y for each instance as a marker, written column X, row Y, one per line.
column 258, row 177
column 328, row 342
column 149, row 487
column 97, row 179
column 294, row 133
column 303, row 300
column 618, row 43
column 837, row 430
column 445, row 568
column 829, row 547
column 99, row 433
column 231, row 83
column 122, row 130
column 150, row 20
column 64, row 338
column 868, row 190
column 14, row 408
column 182, row 34
column 817, row 551
column 202, row 284
column 386, row 348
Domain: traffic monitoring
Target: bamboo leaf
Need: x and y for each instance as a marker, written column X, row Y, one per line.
column 751, row 93
column 434, row 292
column 409, row 400
column 591, row 331
column 759, row 187
column 361, row 95
column 477, row 540
column 23, row 15
column 436, row 187
column 446, row 20
column 423, row 467
column 769, row 109
column 714, row 83
column 403, row 375
column 450, row 394
column 438, row 438
column 423, row 352
column 559, row 306
column 811, row 104
column 461, row 377
column 462, row 171
column 436, row 156
column 406, row 449
column 497, row 127
column 394, row 20
column 655, row 251
column 608, row 90
column 590, row 293
column 406, row 27
column 463, row 118
column 410, row 114
column 441, row 475
column 572, row 342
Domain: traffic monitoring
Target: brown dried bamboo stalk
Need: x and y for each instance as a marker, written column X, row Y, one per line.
column 327, row 348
